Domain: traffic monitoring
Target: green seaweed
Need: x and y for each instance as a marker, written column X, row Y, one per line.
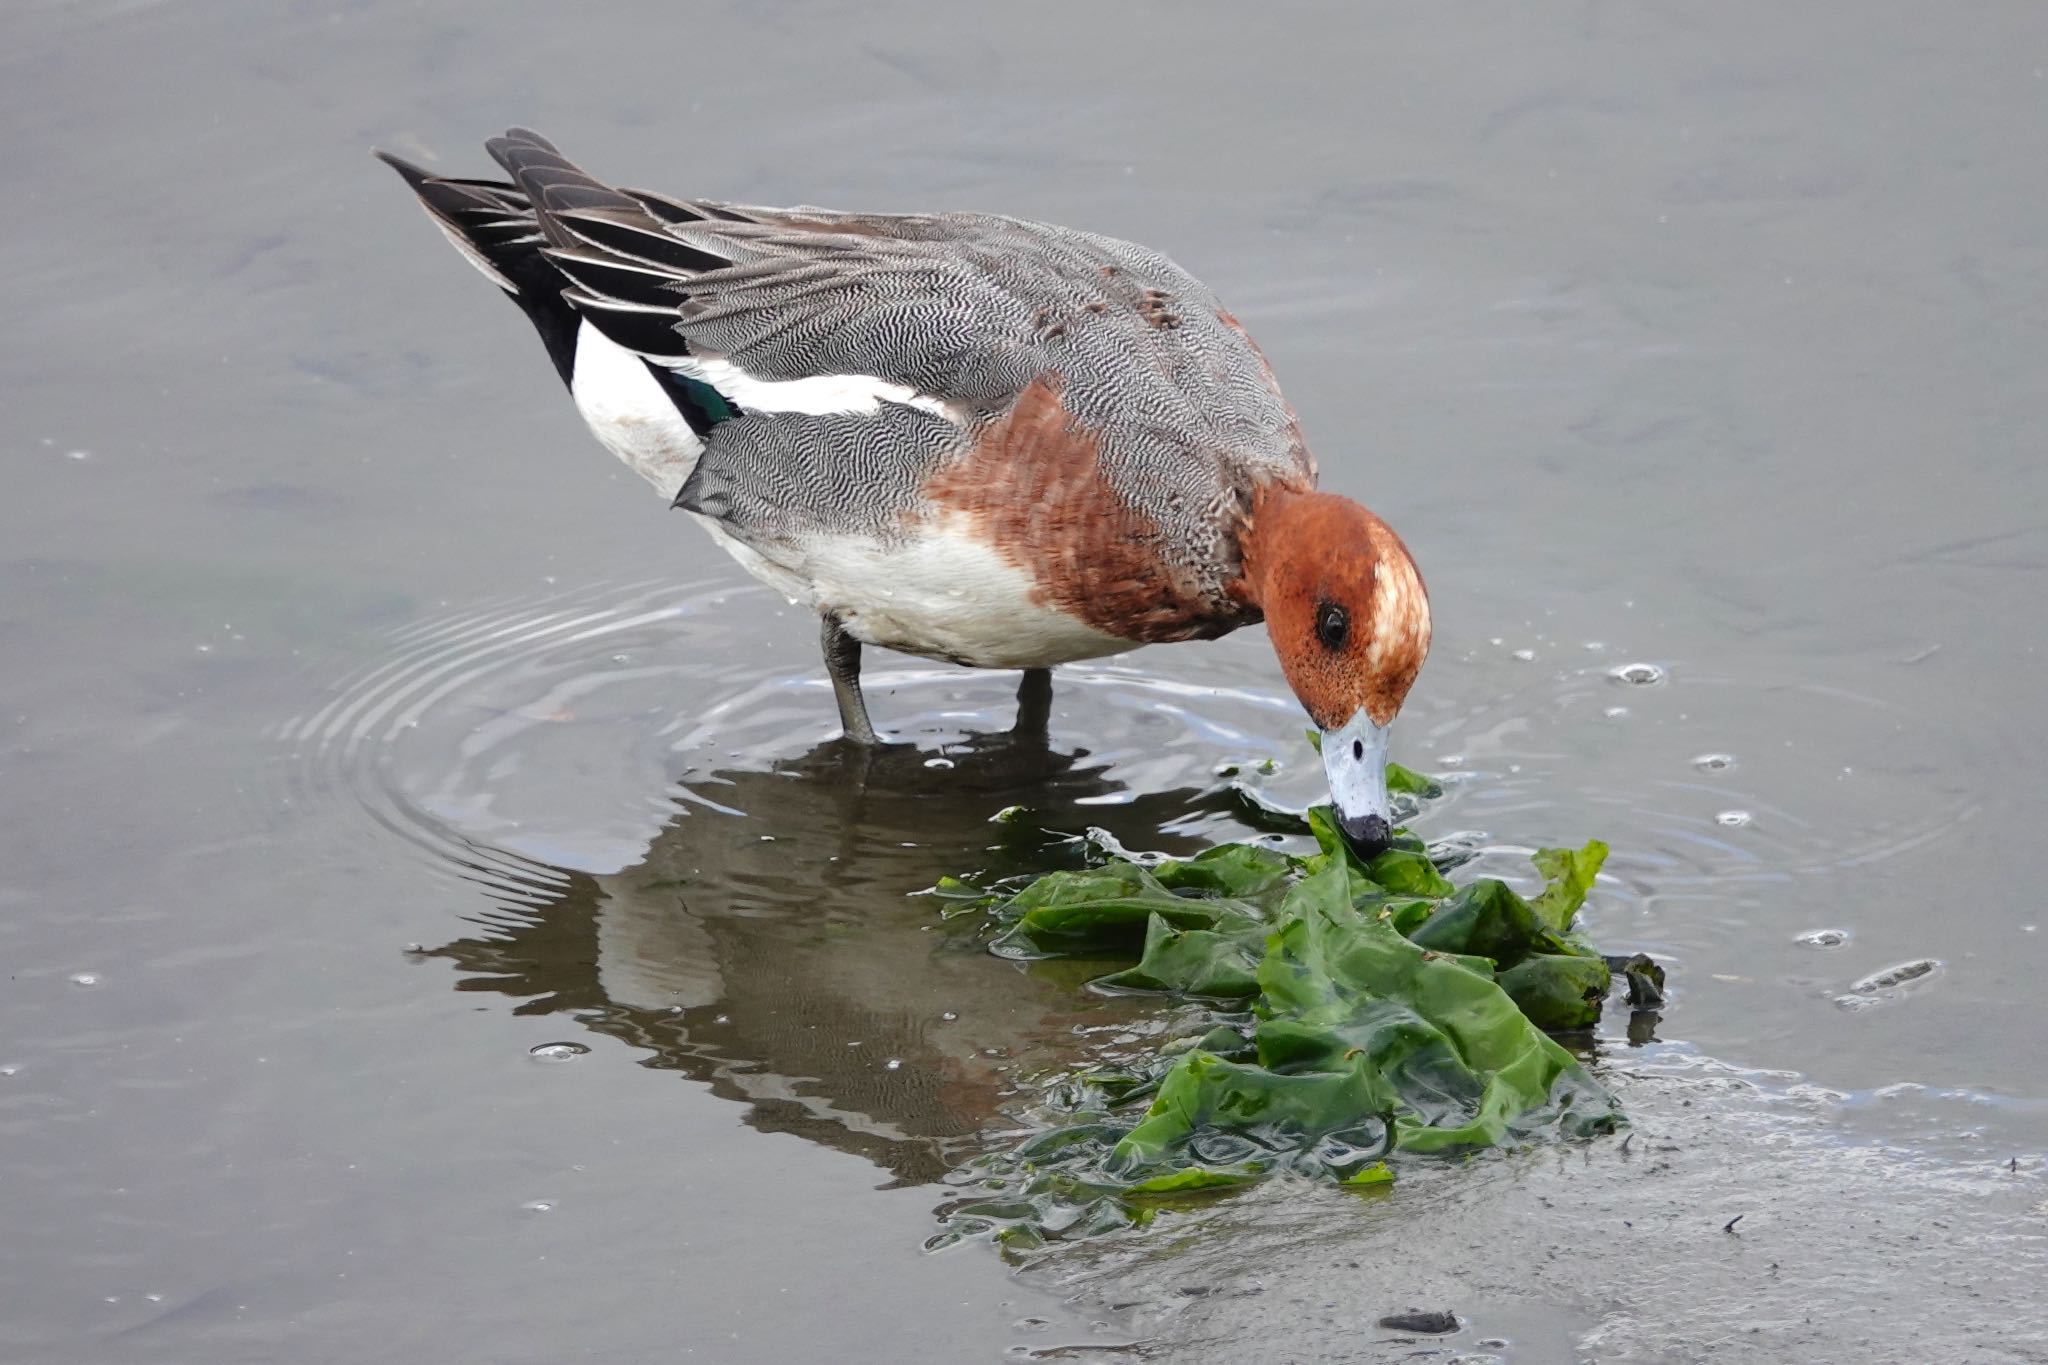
column 1201, row 963
column 1570, row 873
column 1377, row 1013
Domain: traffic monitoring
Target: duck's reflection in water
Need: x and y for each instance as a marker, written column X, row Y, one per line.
column 769, row 943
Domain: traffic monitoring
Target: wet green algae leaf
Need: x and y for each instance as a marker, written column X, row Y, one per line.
column 1571, row 876
column 1356, row 1012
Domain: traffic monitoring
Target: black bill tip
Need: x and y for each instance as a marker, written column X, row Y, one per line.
column 1368, row 835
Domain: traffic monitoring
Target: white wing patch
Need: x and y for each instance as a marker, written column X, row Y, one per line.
column 628, row 411
column 816, row 396
column 637, row 421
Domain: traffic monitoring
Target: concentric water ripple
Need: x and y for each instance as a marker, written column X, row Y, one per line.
column 512, row 740
column 423, row 738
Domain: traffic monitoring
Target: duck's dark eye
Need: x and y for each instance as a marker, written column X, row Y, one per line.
column 1333, row 625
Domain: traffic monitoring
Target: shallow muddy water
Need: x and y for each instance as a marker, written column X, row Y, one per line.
column 437, row 923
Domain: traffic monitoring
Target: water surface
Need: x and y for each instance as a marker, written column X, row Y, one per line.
column 366, row 730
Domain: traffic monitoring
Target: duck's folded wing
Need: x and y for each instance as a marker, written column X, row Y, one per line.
column 839, row 314
column 955, row 312
column 815, row 313
column 958, row 314
column 775, row 480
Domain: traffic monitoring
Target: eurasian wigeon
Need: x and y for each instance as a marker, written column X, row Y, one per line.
column 969, row 437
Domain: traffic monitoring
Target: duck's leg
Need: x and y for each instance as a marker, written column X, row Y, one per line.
column 842, row 662
column 1034, row 703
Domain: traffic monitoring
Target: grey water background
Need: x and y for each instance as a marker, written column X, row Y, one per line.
column 362, row 728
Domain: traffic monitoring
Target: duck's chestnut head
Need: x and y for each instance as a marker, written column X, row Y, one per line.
column 1349, row 617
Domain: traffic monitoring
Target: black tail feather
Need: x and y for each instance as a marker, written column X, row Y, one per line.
column 569, row 248
column 415, row 176
column 495, row 225
column 634, row 235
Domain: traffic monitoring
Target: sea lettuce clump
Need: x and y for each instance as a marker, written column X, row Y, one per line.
column 1350, row 1012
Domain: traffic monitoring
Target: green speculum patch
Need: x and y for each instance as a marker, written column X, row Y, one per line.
column 1350, row 1015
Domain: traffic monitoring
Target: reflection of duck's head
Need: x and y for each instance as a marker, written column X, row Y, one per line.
column 769, row 942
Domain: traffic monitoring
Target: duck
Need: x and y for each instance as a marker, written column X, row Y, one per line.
column 969, row 437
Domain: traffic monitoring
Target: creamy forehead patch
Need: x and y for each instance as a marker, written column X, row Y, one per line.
column 1400, row 614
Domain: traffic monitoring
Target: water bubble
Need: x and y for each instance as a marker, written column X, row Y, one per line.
column 85, row 978
column 1615, row 712
column 1526, row 655
column 556, row 1052
column 1637, row 675
column 893, row 1064
column 538, row 1206
column 1823, row 938
column 78, row 455
column 948, row 1015
column 1714, row 763
column 1733, row 819
column 938, row 762
column 10, row 1069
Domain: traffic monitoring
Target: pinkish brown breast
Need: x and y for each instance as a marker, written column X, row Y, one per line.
column 1034, row 487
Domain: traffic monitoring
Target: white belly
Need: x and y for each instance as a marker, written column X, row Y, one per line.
column 940, row 593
